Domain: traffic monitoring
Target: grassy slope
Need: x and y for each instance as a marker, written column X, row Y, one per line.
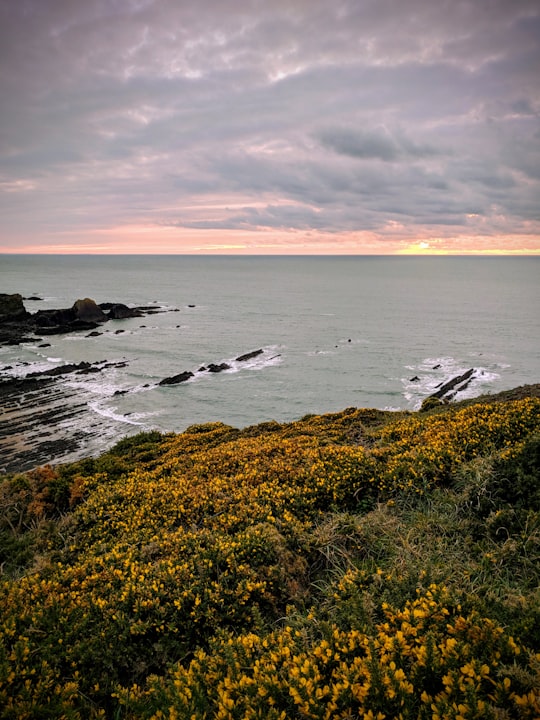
column 347, row 564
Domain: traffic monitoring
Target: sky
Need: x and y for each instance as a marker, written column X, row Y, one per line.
column 270, row 126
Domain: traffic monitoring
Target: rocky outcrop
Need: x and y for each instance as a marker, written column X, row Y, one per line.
column 43, row 419
column 16, row 323
column 119, row 311
column 249, row 355
column 87, row 311
column 213, row 368
column 12, row 308
column 175, row 379
column 210, row 368
column 460, row 382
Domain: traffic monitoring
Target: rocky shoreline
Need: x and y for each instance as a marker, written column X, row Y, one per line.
column 39, row 413
column 38, row 421
column 44, row 420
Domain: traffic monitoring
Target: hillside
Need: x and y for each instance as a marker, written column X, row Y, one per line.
column 364, row 564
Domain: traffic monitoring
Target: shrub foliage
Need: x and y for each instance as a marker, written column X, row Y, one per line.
column 363, row 564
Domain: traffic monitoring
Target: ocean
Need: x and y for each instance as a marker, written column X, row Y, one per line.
column 336, row 332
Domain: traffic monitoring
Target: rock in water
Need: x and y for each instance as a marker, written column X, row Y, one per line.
column 88, row 311
column 213, row 368
column 119, row 311
column 175, row 379
column 249, row 355
column 451, row 384
column 12, row 307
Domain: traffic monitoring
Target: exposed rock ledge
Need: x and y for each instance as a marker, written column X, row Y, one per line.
column 17, row 325
column 37, row 422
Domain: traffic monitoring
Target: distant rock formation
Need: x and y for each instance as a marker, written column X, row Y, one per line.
column 175, row 379
column 16, row 322
column 87, row 311
column 12, row 308
column 119, row 311
column 249, row 355
column 213, row 368
column 444, row 391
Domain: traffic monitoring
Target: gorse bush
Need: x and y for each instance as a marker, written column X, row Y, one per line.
column 362, row 564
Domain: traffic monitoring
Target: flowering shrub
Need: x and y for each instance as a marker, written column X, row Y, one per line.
column 425, row 661
column 214, row 574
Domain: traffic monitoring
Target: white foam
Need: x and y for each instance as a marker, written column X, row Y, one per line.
column 270, row 357
column 112, row 414
column 431, row 373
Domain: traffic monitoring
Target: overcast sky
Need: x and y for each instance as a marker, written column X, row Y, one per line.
column 270, row 126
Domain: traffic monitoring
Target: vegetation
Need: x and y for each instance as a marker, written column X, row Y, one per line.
column 364, row 564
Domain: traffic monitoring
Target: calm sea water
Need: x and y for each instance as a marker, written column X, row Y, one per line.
column 336, row 332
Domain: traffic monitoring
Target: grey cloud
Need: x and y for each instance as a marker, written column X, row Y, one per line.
column 334, row 116
column 374, row 144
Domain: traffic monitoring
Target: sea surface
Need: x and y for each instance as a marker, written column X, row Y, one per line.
column 336, row 332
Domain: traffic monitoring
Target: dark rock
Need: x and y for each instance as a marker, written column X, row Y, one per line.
column 94, row 333
column 81, row 368
column 12, row 308
column 436, row 367
column 54, row 318
column 120, row 392
column 175, row 379
column 33, row 297
column 249, row 355
column 415, row 379
column 119, row 311
column 60, row 370
column 202, row 369
column 213, row 368
column 44, row 345
column 16, row 323
column 117, row 332
column 88, row 311
column 192, row 306
column 451, row 384
column 121, row 364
